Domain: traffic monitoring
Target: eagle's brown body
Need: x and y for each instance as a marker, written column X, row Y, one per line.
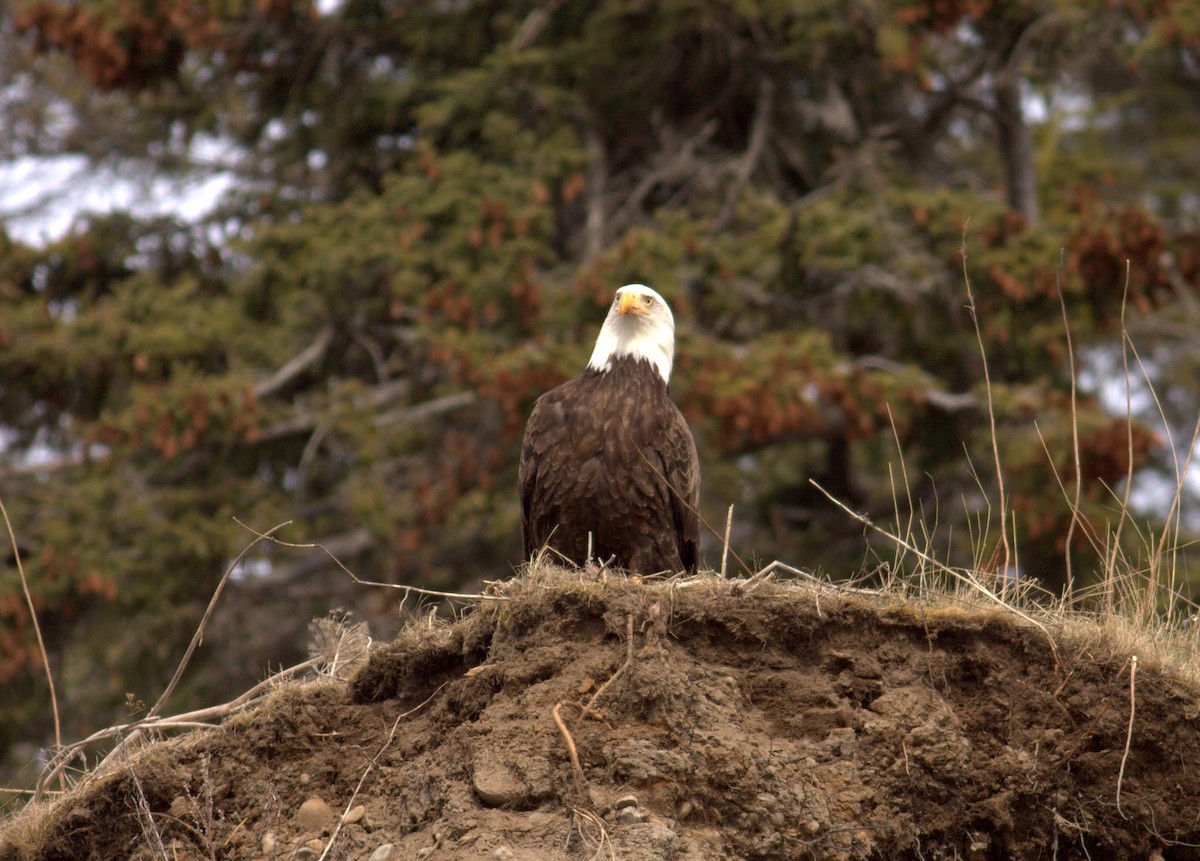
column 610, row 454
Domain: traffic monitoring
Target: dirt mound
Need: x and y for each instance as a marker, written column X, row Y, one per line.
column 709, row 722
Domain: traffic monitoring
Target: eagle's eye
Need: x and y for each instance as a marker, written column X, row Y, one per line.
column 649, row 300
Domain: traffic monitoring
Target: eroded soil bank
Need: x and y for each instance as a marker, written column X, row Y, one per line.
column 783, row 722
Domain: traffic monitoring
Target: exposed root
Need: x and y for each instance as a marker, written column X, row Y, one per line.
column 590, row 707
column 1133, row 664
column 556, row 713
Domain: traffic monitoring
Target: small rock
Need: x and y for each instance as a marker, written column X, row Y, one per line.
column 684, row 810
column 316, row 845
column 502, row 854
column 812, row 826
column 777, row 818
column 383, row 853
column 426, row 852
column 539, row 818
column 646, row 840
column 626, row 801
column 269, row 844
column 314, row 815
column 630, row 816
column 304, row 778
column 354, row 814
column 496, row 785
column 599, row 803
column 304, row 854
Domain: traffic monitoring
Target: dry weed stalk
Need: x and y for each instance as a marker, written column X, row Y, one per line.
column 64, row 755
column 198, row 719
column 408, row 590
column 37, row 630
column 964, row 577
column 725, row 547
column 146, row 817
column 1009, row 559
column 198, row 635
column 1074, row 505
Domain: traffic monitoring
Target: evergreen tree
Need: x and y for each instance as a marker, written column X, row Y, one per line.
column 433, row 204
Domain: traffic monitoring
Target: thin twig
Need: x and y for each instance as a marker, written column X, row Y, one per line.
column 1126, row 343
column 987, row 380
column 964, row 577
column 146, row 817
column 1133, row 665
column 192, row 719
column 725, row 551
column 1062, row 301
column 212, row 603
column 370, row 765
column 37, row 630
column 404, row 587
column 759, row 128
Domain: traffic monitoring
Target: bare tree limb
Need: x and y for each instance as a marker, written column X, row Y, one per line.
column 533, row 25
column 597, row 181
column 297, row 365
column 304, row 421
column 754, row 149
column 679, row 164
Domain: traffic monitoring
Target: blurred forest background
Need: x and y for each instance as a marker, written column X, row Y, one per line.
column 428, row 206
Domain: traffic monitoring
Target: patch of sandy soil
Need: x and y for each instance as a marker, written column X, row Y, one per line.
column 709, row 721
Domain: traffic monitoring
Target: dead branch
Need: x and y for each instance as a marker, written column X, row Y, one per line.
column 759, row 129
column 533, row 26
column 297, row 365
column 305, row 421
column 424, row 411
column 402, row 586
column 676, row 163
column 199, row 633
column 197, row 719
column 597, row 182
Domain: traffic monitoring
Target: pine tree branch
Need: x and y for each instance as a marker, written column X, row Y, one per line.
column 297, row 365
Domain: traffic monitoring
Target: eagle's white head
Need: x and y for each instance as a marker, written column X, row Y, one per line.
column 639, row 324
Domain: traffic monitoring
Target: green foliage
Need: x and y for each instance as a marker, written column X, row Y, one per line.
column 434, row 205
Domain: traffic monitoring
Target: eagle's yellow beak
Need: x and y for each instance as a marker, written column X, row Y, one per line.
column 630, row 302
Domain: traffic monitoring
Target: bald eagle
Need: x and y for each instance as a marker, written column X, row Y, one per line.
column 610, row 454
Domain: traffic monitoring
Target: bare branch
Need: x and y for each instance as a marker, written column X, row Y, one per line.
column 533, row 26
column 597, row 181
column 297, row 365
column 425, row 411
column 754, row 150
column 305, row 420
column 676, row 163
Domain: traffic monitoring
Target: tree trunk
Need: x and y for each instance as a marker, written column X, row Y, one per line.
column 1016, row 148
